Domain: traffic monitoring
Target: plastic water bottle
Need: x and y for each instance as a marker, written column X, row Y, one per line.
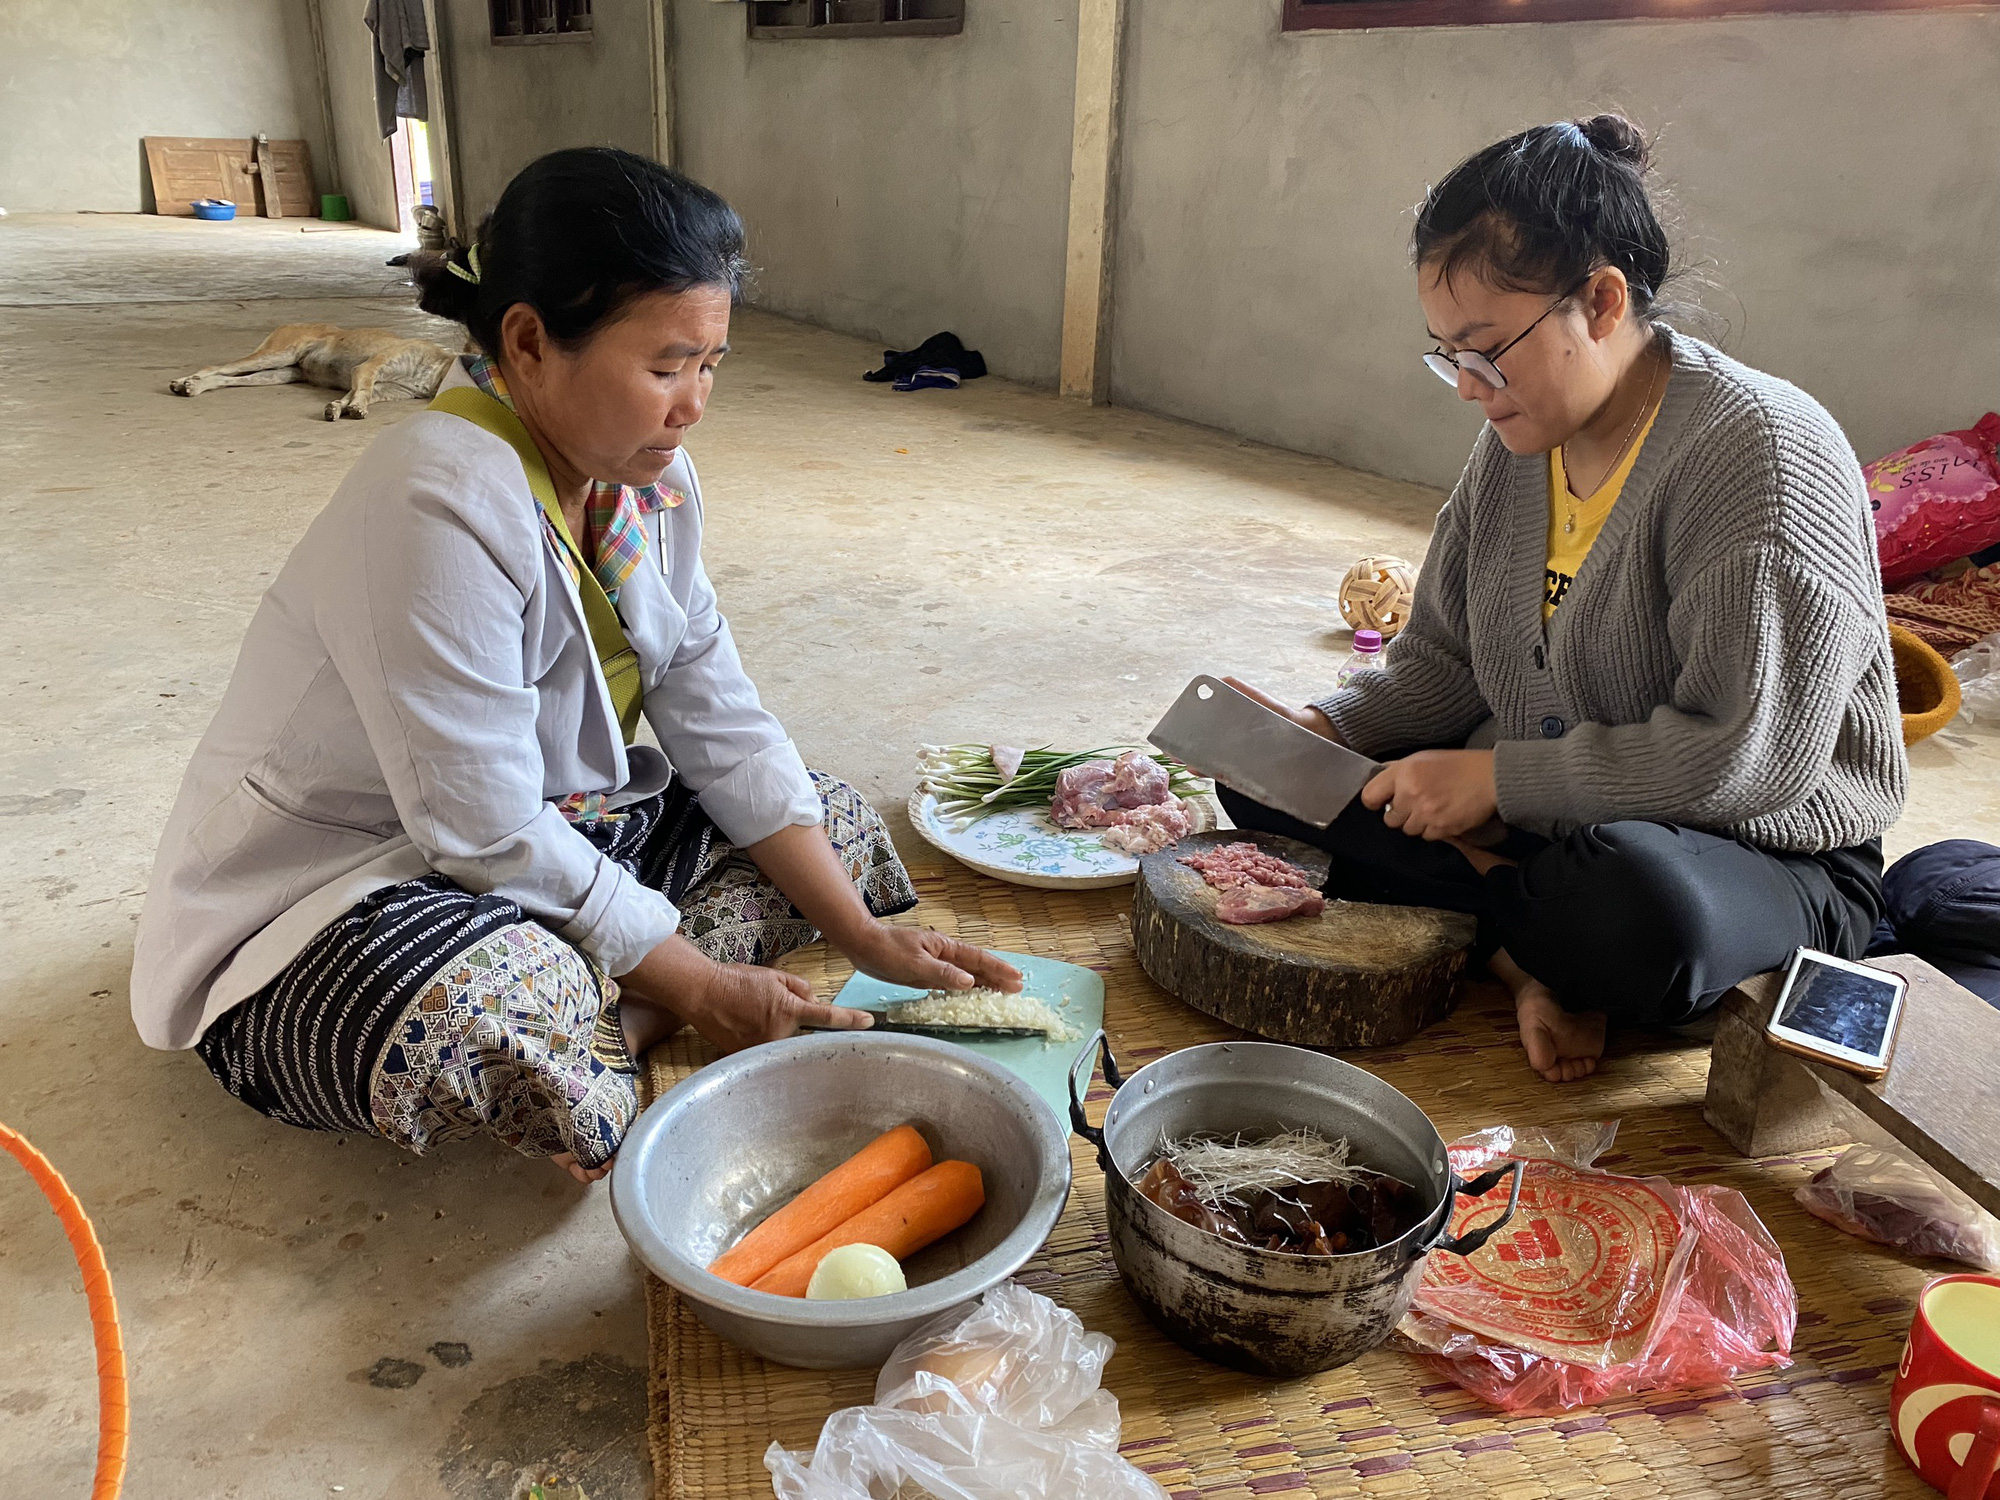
column 1366, row 657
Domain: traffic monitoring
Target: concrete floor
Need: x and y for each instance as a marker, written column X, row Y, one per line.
column 309, row 1315
column 62, row 260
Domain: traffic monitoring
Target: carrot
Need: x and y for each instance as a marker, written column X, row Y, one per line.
column 922, row 1210
column 865, row 1178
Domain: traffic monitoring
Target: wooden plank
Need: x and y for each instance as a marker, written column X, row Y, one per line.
column 1940, row 1099
column 270, row 200
column 1762, row 1101
column 1086, row 326
column 660, row 40
column 447, row 186
column 317, row 20
column 291, row 164
column 184, row 168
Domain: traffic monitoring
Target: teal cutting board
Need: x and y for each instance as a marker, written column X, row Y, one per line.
column 1074, row 993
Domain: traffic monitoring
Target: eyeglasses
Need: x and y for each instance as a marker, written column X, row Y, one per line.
column 1485, row 366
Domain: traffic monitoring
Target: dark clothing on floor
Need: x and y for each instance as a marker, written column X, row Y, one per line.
column 941, row 351
column 1944, row 906
column 1649, row 922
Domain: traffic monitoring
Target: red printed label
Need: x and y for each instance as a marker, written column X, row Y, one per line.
column 1577, row 1274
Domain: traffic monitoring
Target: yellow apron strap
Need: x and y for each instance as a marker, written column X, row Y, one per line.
column 615, row 656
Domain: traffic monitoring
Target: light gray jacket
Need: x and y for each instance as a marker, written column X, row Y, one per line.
column 1721, row 661
column 414, row 690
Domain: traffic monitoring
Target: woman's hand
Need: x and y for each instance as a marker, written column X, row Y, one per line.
column 1306, row 718
column 802, row 864
column 732, row 1005
column 927, row 960
column 1436, row 794
column 742, row 1005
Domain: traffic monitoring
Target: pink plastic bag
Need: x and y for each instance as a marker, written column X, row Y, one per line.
column 1884, row 1194
column 1936, row 501
column 1603, row 1286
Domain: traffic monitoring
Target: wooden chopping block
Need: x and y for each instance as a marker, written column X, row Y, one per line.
column 1355, row 976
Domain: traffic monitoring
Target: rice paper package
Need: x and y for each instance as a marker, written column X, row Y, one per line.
column 1603, row 1286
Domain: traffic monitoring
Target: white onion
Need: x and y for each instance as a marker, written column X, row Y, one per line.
column 855, row 1271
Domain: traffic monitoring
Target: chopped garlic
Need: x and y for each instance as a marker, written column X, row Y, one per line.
column 984, row 1008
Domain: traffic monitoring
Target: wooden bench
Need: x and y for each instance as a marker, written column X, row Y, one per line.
column 1940, row 1099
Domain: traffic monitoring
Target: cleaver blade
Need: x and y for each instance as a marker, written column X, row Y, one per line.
column 1219, row 732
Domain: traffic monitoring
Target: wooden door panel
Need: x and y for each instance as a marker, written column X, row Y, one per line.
column 184, row 168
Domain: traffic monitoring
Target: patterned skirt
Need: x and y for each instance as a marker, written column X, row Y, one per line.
column 425, row 1013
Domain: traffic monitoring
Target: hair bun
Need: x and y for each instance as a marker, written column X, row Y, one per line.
column 1617, row 137
column 444, row 285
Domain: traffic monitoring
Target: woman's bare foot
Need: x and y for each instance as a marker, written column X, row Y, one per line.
column 585, row 1175
column 1562, row 1045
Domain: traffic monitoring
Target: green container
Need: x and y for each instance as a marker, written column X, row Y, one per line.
column 334, row 206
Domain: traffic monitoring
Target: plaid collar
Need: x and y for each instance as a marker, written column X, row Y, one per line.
column 615, row 513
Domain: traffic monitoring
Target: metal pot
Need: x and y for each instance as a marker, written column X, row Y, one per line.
column 1261, row 1310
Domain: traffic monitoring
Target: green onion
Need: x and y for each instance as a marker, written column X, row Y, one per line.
column 968, row 786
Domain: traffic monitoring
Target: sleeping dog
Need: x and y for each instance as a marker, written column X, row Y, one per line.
column 369, row 364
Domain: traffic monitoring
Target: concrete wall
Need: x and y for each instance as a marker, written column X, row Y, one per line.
column 82, row 80
column 1837, row 170
column 513, row 103
column 895, row 187
column 363, row 156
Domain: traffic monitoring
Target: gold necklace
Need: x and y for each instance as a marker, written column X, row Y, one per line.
column 1569, row 525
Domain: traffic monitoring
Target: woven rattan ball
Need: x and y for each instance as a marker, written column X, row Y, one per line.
column 1376, row 594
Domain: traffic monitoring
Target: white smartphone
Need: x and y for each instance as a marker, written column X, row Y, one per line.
column 1838, row 1012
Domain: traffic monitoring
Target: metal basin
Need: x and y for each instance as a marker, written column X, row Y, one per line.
column 1254, row 1309
column 745, row 1134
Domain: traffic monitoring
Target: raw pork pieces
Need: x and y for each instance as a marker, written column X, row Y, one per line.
column 1255, row 886
column 1129, row 797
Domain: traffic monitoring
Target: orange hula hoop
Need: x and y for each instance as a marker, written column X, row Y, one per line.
column 114, row 1402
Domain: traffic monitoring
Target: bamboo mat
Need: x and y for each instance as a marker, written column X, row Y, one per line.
column 1388, row 1424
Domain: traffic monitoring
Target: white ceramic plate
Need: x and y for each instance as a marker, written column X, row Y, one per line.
column 1027, row 848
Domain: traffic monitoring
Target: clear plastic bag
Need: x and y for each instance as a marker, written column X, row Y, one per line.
column 1605, row 1286
column 1977, row 669
column 1882, row 1194
column 1003, row 1403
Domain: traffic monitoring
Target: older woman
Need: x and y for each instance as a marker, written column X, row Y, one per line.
column 421, row 878
column 1647, row 668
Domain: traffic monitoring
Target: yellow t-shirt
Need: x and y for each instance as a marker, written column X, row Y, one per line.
column 1586, row 518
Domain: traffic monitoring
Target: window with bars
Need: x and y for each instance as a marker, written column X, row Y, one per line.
column 517, row 21
column 1338, row 15
column 778, row 20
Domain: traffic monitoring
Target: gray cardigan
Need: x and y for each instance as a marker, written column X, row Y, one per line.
column 1722, row 660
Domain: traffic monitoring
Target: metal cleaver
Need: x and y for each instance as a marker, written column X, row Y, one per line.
column 1219, row 732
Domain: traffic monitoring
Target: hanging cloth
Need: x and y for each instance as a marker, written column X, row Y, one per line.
column 401, row 40
column 615, row 656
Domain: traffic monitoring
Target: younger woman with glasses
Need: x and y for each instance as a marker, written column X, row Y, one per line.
column 1642, row 722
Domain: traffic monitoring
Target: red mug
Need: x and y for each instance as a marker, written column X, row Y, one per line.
column 1945, row 1407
